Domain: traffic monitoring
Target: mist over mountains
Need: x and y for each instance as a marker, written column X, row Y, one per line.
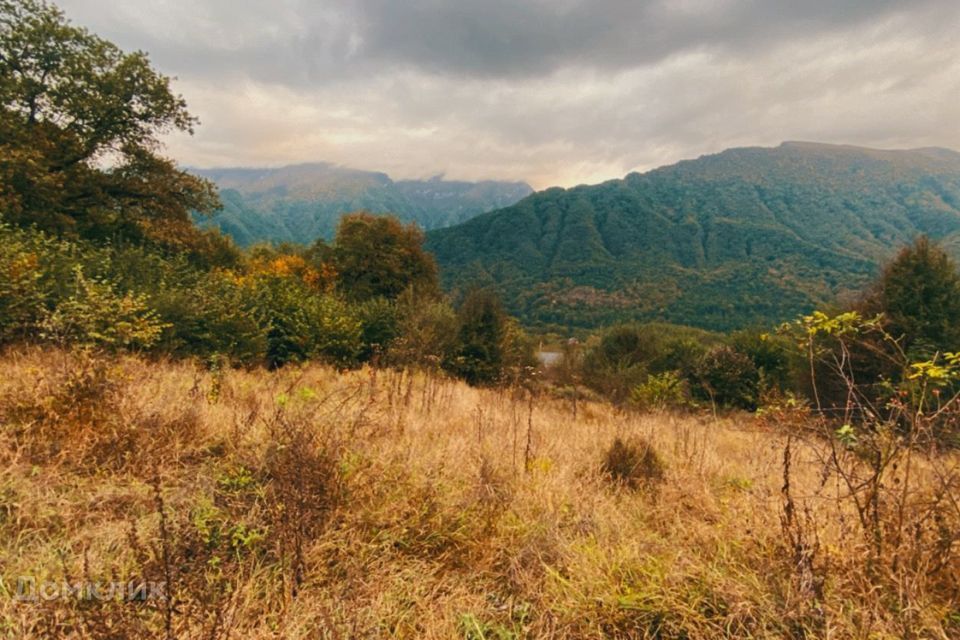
column 300, row 203
column 748, row 236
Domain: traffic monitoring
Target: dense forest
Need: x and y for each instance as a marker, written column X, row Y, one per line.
column 744, row 237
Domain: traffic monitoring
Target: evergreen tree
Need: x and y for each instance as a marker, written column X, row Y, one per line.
column 482, row 327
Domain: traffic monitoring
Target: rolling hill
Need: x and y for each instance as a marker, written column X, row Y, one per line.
column 746, row 236
column 300, row 203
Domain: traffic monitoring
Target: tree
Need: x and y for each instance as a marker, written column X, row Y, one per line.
column 916, row 299
column 727, row 378
column 918, row 294
column 427, row 330
column 482, row 328
column 79, row 137
column 377, row 256
column 619, row 360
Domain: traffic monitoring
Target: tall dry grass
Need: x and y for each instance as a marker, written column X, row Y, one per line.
column 306, row 503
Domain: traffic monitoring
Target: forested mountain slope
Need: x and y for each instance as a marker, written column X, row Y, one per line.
column 299, row 203
column 746, row 236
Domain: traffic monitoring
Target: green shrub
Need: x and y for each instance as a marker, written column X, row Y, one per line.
column 22, row 300
column 483, row 324
column 379, row 326
column 212, row 314
column 303, row 324
column 661, row 391
column 97, row 315
column 727, row 378
column 772, row 355
column 618, row 362
column 427, row 331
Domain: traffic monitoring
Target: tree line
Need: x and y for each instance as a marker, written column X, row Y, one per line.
column 98, row 246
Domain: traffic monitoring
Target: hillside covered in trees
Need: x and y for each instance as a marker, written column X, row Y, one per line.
column 301, row 203
column 747, row 236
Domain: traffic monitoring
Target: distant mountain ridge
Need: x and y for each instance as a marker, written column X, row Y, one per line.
column 745, row 236
column 299, row 203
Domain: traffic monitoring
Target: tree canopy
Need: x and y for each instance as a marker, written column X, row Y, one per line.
column 80, row 137
column 918, row 294
column 378, row 256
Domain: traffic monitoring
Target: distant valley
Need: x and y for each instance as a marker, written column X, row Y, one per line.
column 300, row 203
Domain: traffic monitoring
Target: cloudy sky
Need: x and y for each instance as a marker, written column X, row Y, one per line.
column 549, row 91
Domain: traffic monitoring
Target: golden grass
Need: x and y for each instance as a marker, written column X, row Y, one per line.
column 306, row 503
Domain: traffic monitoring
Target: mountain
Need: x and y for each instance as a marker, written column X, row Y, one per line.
column 746, row 236
column 302, row 202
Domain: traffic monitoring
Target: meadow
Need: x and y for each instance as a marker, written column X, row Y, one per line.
column 312, row 503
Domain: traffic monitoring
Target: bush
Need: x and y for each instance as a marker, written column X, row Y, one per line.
column 427, row 332
column 633, row 463
column 302, row 324
column 727, row 378
column 772, row 355
column 625, row 355
column 379, row 326
column 661, row 391
column 96, row 315
column 21, row 295
column 483, row 323
column 618, row 362
column 212, row 314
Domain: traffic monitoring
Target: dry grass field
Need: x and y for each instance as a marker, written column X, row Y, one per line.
column 306, row 503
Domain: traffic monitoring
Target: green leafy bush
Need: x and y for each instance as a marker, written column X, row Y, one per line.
column 482, row 326
column 727, row 378
column 427, row 331
column 211, row 314
column 379, row 326
column 21, row 294
column 302, row 324
column 97, row 315
column 661, row 391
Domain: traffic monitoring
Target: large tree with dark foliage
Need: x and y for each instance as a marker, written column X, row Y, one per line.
column 378, row 256
column 80, row 127
column 918, row 294
column 483, row 325
column 916, row 304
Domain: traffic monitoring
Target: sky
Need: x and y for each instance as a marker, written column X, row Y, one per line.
column 553, row 92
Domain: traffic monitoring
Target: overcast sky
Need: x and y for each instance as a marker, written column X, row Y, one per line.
column 554, row 92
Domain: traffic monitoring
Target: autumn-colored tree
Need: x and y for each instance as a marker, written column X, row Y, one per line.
column 289, row 263
column 378, row 256
column 80, row 122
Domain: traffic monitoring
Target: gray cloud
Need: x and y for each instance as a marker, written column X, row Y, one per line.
column 557, row 91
